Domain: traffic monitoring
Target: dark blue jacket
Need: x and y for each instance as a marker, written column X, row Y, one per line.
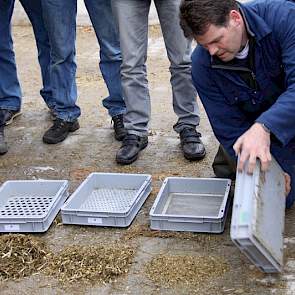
column 223, row 91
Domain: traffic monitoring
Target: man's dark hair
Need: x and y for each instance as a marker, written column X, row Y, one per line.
column 197, row 15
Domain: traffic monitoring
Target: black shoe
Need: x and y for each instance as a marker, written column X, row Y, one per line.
column 3, row 144
column 60, row 130
column 120, row 131
column 132, row 145
column 7, row 116
column 192, row 146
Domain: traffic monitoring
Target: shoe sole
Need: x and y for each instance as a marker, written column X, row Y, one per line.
column 195, row 158
column 129, row 161
column 61, row 138
column 12, row 118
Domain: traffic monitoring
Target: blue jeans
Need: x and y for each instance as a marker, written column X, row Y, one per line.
column 60, row 20
column 10, row 91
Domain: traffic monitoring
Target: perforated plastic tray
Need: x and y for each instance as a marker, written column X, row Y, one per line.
column 191, row 204
column 30, row 205
column 258, row 217
column 107, row 199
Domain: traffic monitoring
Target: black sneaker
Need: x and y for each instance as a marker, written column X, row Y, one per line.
column 120, row 131
column 131, row 146
column 3, row 144
column 191, row 144
column 59, row 131
column 7, row 116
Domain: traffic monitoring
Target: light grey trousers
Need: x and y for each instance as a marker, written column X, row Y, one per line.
column 132, row 20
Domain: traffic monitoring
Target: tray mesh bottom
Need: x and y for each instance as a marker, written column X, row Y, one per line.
column 193, row 204
column 109, row 200
column 26, row 205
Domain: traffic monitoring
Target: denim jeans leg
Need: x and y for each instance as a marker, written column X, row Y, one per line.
column 179, row 53
column 33, row 9
column 60, row 22
column 132, row 19
column 100, row 12
column 10, row 91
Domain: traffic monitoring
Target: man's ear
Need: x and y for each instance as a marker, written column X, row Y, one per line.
column 235, row 16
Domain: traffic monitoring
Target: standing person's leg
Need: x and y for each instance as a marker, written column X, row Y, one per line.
column 132, row 19
column 60, row 22
column 100, row 12
column 10, row 92
column 33, row 9
column 184, row 94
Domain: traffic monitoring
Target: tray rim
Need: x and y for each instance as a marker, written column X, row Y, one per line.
column 44, row 216
column 222, row 206
column 140, row 191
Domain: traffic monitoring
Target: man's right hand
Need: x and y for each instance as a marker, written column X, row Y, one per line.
column 253, row 144
column 287, row 184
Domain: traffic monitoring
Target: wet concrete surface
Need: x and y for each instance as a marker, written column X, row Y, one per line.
column 92, row 149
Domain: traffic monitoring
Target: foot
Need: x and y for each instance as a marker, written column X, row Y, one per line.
column 59, row 131
column 7, row 116
column 120, row 131
column 191, row 144
column 3, row 144
column 131, row 146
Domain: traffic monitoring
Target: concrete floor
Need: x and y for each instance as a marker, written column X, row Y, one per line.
column 93, row 148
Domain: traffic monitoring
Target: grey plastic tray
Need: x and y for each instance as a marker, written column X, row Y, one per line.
column 191, row 204
column 258, row 217
column 107, row 199
column 30, row 205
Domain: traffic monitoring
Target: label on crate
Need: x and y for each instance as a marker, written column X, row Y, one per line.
column 11, row 227
column 95, row 220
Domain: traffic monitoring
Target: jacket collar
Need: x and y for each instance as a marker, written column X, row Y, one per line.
column 255, row 25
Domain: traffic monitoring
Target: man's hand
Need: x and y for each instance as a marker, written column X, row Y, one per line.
column 253, row 144
column 287, row 184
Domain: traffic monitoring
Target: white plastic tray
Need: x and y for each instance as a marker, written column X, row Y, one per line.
column 258, row 216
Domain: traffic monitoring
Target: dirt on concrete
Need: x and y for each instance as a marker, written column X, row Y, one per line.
column 92, row 149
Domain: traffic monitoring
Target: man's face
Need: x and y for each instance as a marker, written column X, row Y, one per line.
column 224, row 42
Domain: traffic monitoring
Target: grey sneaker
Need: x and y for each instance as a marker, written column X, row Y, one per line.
column 3, row 144
column 7, row 116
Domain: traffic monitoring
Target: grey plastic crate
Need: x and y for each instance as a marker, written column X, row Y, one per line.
column 30, row 205
column 191, row 204
column 107, row 199
column 258, row 217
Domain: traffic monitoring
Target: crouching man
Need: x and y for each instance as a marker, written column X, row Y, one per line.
column 244, row 71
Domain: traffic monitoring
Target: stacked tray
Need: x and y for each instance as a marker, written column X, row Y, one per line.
column 258, row 216
column 30, row 205
column 191, row 204
column 107, row 199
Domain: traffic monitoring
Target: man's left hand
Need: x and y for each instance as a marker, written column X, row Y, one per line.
column 253, row 144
